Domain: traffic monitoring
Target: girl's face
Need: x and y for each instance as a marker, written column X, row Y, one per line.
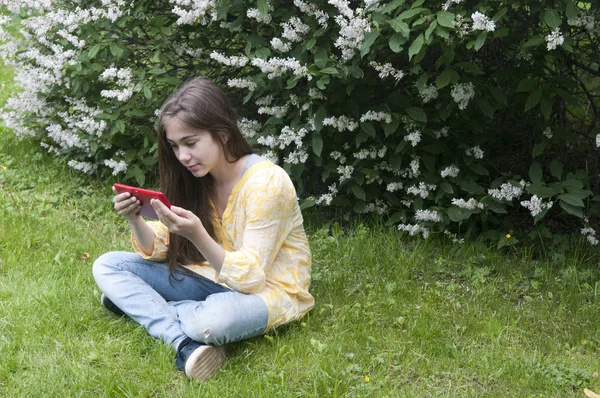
column 195, row 149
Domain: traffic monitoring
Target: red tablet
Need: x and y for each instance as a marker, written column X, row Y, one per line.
column 144, row 196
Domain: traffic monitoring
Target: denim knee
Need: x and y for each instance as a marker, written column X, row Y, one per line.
column 107, row 262
column 208, row 328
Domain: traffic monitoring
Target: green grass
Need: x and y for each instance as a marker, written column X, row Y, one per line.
column 417, row 318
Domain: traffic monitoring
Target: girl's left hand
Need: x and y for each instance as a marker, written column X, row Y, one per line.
column 179, row 221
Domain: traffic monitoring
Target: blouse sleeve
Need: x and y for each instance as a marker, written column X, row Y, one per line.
column 269, row 207
column 161, row 242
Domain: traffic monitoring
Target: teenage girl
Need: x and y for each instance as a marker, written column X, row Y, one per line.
column 230, row 259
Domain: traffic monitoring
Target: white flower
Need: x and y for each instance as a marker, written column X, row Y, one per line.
column 345, row 172
column 598, row 140
column 280, row 46
column 353, row 26
column 451, row 171
column 255, row 14
column 277, row 111
column 328, row 197
column 84, row 167
column 476, row 152
column 296, row 157
column 441, row 133
column 376, row 116
column 535, row 205
column 471, row 204
column 508, row 191
column 313, row 11
column 293, row 29
column 276, row 67
column 386, row 70
column 202, row 11
column 248, row 128
column 341, row 123
column 481, row 22
column 414, row 138
column 590, row 235
column 414, row 229
column 237, row 61
column 548, row 133
column 428, row 215
column 118, row 167
column 448, row 3
column 422, row 190
column 462, row 93
column 429, row 93
column 242, row 83
column 554, row 39
column 394, row 186
column 587, row 21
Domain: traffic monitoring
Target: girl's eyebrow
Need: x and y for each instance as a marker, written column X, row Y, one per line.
column 182, row 138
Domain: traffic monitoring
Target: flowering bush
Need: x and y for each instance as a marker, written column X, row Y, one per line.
column 451, row 116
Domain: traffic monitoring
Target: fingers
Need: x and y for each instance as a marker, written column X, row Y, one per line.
column 125, row 204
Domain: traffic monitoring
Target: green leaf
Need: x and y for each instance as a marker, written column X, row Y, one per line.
column 400, row 27
column 572, row 184
column 556, row 169
column 534, row 99
column 319, row 117
column 157, row 71
column 486, row 107
column 358, row 191
column 329, row 71
column 360, row 138
column 546, row 106
column 393, row 6
column 116, row 50
column 499, row 95
column 310, row 43
column 140, row 178
column 446, row 77
column 533, row 42
column 455, row 214
column 535, row 173
column 368, row 42
column 417, row 114
column 571, row 199
column 538, row 148
column 480, row 41
column 120, row 125
column 94, row 50
column 368, row 128
column 541, row 190
column 321, row 57
column 445, row 18
column 416, row 46
column 429, row 31
column 526, row 85
column 502, row 12
column 390, row 128
column 573, row 210
column 147, row 92
column 447, row 188
column 552, row 18
column 471, row 187
column 410, row 13
column 317, row 143
column 572, row 11
column 396, row 42
column 263, row 7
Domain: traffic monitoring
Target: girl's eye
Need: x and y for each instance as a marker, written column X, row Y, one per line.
column 191, row 144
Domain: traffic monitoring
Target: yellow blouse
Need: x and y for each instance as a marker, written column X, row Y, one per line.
column 267, row 252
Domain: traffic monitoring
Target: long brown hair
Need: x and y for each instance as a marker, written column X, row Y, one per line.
column 198, row 104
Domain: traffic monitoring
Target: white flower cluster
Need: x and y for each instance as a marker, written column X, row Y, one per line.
column 184, row 48
column 548, row 133
column 271, row 155
column 476, row 152
column 451, row 171
column 481, row 22
column 590, row 235
column 554, row 39
column 337, row 155
column 462, row 93
column 535, row 205
column 313, row 11
column 315, row 93
column 237, row 61
column 386, row 70
column 414, row 230
column 253, row 13
column 372, row 153
column 353, row 26
column 66, row 138
column 345, row 172
column 429, row 93
column 441, row 133
column 123, row 80
column 587, row 21
column 454, row 237
column 428, row 216
column 327, row 198
column 242, row 83
column 470, row 204
column 394, row 186
column 195, row 10
column 449, row 3
column 118, row 167
column 277, row 111
column 414, row 137
column 461, row 25
column 276, row 67
column 341, row 123
column 296, row 157
column 508, row 191
column 84, row 167
column 422, row 190
column 374, row 5
column 278, row 45
column 293, row 29
column 376, row 116
column 249, row 128
column 598, row 140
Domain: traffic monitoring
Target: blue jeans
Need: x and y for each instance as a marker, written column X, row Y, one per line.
column 172, row 310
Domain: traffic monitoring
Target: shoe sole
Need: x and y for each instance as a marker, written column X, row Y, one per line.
column 204, row 362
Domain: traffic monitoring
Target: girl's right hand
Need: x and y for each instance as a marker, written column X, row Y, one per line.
column 126, row 205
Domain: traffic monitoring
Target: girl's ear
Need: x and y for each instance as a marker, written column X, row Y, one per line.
column 224, row 137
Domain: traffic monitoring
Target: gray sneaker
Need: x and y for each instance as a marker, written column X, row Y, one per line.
column 204, row 361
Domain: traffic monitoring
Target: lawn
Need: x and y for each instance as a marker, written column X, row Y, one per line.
column 394, row 317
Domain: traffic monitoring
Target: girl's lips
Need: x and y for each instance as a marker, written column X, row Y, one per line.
column 193, row 167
